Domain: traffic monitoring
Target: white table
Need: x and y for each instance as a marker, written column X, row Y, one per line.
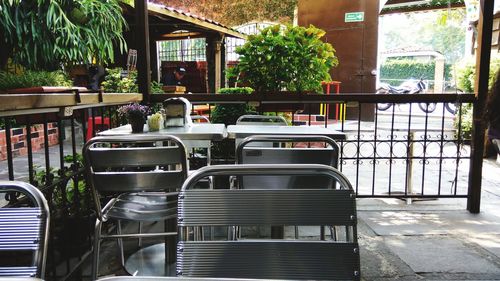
column 195, row 135
column 243, row 131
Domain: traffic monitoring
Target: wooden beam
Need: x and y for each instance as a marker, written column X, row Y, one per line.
column 483, row 54
column 143, row 51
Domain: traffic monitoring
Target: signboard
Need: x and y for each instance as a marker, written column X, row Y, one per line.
column 354, row 17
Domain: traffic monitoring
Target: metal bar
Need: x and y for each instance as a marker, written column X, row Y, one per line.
column 301, row 98
column 8, row 141
column 481, row 88
column 30, row 150
column 441, row 148
column 391, row 148
column 358, row 148
column 374, row 164
column 46, row 146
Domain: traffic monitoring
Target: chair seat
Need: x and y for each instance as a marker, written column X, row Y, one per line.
column 144, row 206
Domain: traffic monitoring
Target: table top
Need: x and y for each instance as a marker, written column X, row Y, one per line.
column 198, row 131
column 243, row 131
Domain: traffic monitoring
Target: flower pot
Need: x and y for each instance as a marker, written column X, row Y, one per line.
column 137, row 124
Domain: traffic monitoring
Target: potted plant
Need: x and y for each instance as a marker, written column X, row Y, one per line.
column 135, row 114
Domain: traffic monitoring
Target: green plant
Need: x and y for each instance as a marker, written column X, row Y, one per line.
column 228, row 114
column 115, row 83
column 45, row 33
column 465, row 78
column 395, row 71
column 293, row 59
column 29, row 79
column 64, row 195
column 156, row 87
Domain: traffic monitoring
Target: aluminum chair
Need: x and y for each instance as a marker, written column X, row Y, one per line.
column 248, row 153
column 261, row 120
column 320, row 259
column 24, row 229
column 143, row 176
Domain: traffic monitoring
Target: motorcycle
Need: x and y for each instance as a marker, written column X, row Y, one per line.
column 408, row 87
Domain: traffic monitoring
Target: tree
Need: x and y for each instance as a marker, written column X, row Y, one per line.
column 236, row 12
column 293, row 59
column 45, row 33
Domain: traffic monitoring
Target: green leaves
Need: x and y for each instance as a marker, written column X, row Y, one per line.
column 43, row 34
column 32, row 79
column 289, row 58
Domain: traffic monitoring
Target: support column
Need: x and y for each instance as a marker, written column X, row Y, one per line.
column 210, row 53
column 143, row 51
column 483, row 54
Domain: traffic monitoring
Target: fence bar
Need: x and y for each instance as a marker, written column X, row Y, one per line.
column 8, row 142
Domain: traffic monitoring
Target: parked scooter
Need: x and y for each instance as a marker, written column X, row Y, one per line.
column 408, row 87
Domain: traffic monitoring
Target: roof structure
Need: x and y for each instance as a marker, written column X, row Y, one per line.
column 172, row 19
column 406, row 6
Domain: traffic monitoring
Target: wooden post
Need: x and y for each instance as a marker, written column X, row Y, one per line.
column 483, row 54
column 210, row 53
column 143, row 51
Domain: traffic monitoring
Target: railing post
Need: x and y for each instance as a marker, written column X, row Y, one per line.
column 481, row 89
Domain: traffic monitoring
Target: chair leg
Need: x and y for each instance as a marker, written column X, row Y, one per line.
column 120, row 242
column 95, row 258
column 140, row 231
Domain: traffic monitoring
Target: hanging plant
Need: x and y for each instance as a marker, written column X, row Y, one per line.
column 43, row 34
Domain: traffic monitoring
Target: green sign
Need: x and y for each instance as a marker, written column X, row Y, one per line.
column 354, row 17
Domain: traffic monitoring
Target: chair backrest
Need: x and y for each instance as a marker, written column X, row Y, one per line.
column 24, row 230
column 199, row 119
column 326, row 154
column 122, row 164
column 261, row 120
column 268, row 258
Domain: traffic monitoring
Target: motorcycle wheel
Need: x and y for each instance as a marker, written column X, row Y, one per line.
column 383, row 106
column 451, row 107
column 427, row 107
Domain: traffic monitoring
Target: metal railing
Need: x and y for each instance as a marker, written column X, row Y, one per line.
column 46, row 151
column 402, row 152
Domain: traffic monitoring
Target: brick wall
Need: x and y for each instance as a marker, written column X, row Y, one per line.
column 19, row 145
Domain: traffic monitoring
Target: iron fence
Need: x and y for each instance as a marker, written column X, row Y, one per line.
column 400, row 152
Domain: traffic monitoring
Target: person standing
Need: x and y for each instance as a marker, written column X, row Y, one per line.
column 174, row 78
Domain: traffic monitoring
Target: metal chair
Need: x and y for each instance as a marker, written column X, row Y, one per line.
column 24, row 229
column 142, row 176
column 319, row 259
column 246, row 153
column 261, row 120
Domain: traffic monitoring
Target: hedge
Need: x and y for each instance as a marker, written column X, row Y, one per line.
column 396, row 71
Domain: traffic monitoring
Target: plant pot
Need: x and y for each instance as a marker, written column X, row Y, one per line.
column 137, row 124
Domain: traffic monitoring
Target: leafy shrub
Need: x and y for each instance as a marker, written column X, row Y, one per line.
column 29, row 79
column 395, row 71
column 466, row 72
column 293, row 59
column 115, row 83
column 228, row 114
